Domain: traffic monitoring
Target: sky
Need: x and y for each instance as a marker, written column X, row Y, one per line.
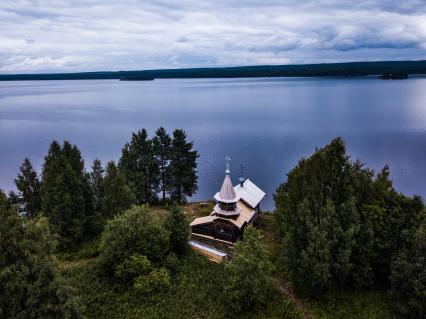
column 73, row 35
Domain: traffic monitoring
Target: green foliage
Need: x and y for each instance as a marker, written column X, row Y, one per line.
column 29, row 284
column 140, row 167
column 14, row 200
column 172, row 262
column 133, row 267
column 162, row 152
column 248, row 284
column 28, row 185
column 156, row 280
column 117, row 195
column 317, row 212
column 408, row 274
column 183, row 165
column 341, row 226
column 135, row 231
column 178, row 226
column 66, row 195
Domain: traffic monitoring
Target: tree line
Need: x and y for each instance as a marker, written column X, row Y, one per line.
column 344, row 226
column 78, row 203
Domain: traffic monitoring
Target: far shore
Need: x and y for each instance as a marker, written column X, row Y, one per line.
column 358, row 69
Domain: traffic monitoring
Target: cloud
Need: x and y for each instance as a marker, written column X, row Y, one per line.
column 77, row 35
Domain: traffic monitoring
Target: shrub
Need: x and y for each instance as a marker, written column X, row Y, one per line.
column 172, row 262
column 156, row 280
column 133, row 267
column 408, row 275
column 135, row 231
column 248, row 280
column 178, row 227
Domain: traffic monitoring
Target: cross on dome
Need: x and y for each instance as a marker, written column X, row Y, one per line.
column 228, row 164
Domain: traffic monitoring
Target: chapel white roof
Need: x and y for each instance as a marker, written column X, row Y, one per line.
column 249, row 193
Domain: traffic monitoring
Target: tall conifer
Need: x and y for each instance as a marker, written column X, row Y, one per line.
column 28, row 185
column 140, row 167
column 96, row 180
column 117, row 195
column 162, row 152
column 183, row 167
column 66, row 195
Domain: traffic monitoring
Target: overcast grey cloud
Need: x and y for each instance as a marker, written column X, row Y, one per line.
column 71, row 36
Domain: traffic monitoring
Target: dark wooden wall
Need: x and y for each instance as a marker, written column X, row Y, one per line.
column 219, row 229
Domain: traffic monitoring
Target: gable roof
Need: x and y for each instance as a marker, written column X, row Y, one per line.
column 245, row 216
column 249, row 193
column 202, row 220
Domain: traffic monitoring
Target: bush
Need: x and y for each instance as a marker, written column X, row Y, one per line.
column 248, row 285
column 408, row 275
column 137, row 265
column 172, row 262
column 135, row 231
column 156, row 280
column 178, row 226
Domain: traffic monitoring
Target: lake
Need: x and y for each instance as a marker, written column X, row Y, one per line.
column 266, row 124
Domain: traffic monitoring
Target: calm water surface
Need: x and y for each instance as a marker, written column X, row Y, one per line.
column 266, row 124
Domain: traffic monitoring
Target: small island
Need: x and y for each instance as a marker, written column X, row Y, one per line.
column 394, row 76
column 137, row 78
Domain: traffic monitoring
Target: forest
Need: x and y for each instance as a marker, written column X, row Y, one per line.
column 113, row 242
column 323, row 69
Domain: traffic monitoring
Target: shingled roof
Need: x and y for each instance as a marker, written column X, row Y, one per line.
column 227, row 192
column 243, row 218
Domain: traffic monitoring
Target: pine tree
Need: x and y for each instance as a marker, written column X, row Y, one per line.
column 162, row 151
column 66, row 195
column 117, row 195
column 96, row 181
column 29, row 283
column 178, row 227
column 28, row 185
column 140, row 167
column 183, row 165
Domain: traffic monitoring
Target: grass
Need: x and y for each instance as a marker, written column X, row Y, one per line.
column 190, row 210
column 370, row 304
column 267, row 224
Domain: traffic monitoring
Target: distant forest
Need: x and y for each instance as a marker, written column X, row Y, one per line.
column 327, row 69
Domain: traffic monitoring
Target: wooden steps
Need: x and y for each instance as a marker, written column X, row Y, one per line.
column 211, row 253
